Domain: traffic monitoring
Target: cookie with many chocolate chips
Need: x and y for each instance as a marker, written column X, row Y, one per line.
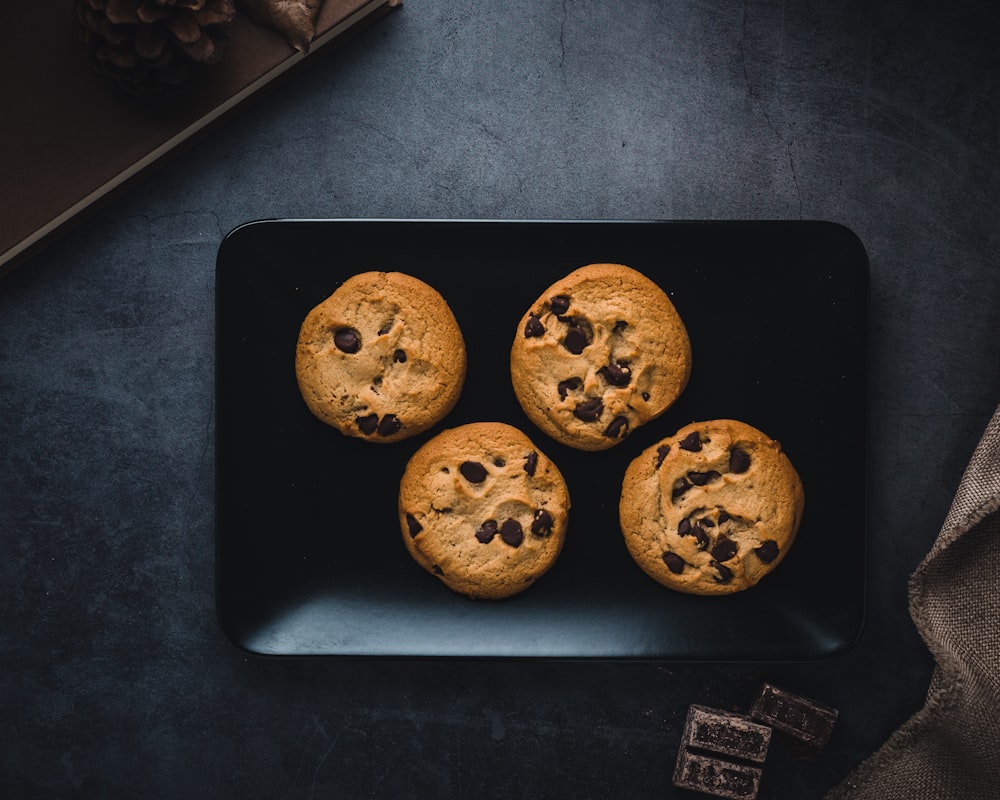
column 483, row 509
column 599, row 353
column 712, row 509
column 382, row 358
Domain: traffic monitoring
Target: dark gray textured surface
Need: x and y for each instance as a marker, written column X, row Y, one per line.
column 114, row 679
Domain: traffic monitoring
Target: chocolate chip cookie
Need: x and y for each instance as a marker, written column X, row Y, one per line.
column 712, row 509
column 382, row 358
column 483, row 509
column 599, row 353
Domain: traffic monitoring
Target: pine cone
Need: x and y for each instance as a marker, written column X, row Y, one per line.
column 155, row 44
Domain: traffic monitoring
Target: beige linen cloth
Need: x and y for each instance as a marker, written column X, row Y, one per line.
column 951, row 747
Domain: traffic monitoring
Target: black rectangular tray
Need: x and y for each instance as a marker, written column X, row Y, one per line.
column 310, row 559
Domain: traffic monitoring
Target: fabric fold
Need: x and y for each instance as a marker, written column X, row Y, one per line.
column 950, row 749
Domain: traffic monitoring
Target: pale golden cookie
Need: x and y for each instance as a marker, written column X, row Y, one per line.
column 483, row 509
column 711, row 509
column 382, row 358
column 599, row 353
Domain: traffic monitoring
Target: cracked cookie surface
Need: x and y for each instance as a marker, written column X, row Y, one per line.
column 382, row 358
column 712, row 509
column 601, row 352
column 483, row 509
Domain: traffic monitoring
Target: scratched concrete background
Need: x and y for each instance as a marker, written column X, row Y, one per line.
column 114, row 678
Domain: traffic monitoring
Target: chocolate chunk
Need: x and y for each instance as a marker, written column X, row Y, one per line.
column 726, row 733
column 437, row 570
column 724, row 548
column 487, row 531
column 385, row 328
column 368, row 424
column 347, row 340
column 680, row 486
column 533, row 327
column 589, row 410
column 701, row 478
column 511, row 532
column 620, row 325
column 739, row 461
column 567, row 386
column 684, row 527
column 413, row 526
column 716, row 776
column 531, row 463
column 645, row 396
column 768, row 551
column 674, row 562
column 808, row 721
column 399, row 356
column 661, row 453
column 473, row 471
column 559, row 304
column 617, row 373
column 707, row 522
column 542, row 524
column 724, row 516
column 576, row 339
column 618, row 429
column 725, row 574
column 388, row 425
column 498, row 462
column 691, row 442
column 700, row 537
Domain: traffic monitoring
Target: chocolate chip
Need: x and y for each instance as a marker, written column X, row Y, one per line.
column 368, row 425
column 620, row 325
column 487, row 531
column 347, row 340
column 674, row 562
column 707, row 522
column 473, row 471
column 685, row 528
column 645, row 396
column 661, row 453
column 533, row 327
column 589, row 410
column 739, row 461
column 701, row 478
column 768, row 551
column 438, row 570
column 567, row 386
column 617, row 373
column 388, row 425
column 399, row 356
column 559, row 304
column 700, row 537
column 691, row 442
column 724, row 549
column 498, row 462
column 618, row 429
column 542, row 524
column 531, row 463
column 724, row 516
column 385, row 329
column 680, row 486
column 725, row 574
column 511, row 532
column 576, row 339
column 413, row 526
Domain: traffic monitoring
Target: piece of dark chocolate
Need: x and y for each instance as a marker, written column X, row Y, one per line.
column 808, row 721
column 716, row 776
column 726, row 733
